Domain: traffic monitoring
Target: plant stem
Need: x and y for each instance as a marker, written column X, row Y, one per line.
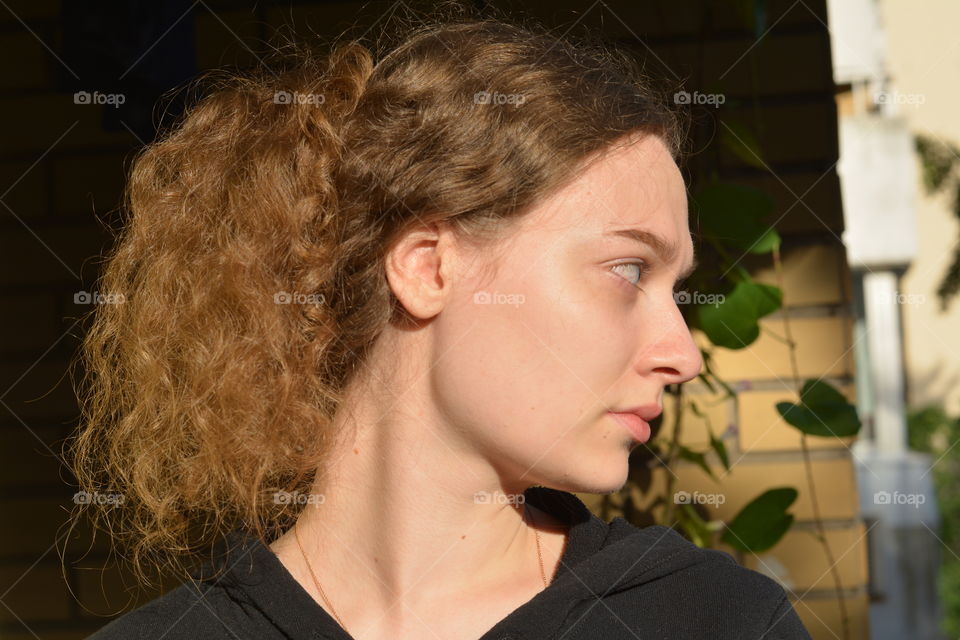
column 808, row 466
column 669, row 505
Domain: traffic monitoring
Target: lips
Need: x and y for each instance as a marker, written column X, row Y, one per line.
column 637, row 419
column 646, row 412
column 637, row 426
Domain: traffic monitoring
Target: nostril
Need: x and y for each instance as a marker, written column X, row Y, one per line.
column 670, row 371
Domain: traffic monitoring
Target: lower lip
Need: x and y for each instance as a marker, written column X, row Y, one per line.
column 633, row 423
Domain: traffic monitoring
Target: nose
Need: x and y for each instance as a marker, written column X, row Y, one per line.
column 671, row 352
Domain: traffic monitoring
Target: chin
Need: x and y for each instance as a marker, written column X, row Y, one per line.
column 601, row 475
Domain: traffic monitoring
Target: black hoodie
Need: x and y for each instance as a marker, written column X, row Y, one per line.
column 614, row 581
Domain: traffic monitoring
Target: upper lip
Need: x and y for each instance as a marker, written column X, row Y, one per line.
column 646, row 412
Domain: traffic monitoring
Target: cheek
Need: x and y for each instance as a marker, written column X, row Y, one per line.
column 581, row 326
column 537, row 364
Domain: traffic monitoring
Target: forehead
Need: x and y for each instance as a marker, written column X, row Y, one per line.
column 637, row 184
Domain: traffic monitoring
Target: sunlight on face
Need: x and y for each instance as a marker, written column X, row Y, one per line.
column 577, row 319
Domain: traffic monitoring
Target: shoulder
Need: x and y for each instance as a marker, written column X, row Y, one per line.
column 676, row 556
column 714, row 591
column 725, row 570
column 192, row 610
column 773, row 608
column 731, row 591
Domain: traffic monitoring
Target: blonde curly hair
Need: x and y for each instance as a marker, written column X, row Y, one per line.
column 211, row 387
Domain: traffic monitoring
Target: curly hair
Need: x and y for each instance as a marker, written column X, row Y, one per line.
column 250, row 263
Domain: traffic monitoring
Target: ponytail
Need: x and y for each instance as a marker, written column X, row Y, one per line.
column 202, row 401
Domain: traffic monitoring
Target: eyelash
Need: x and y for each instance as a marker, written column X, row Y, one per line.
column 643, row 268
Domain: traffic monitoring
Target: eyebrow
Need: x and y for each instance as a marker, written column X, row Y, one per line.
column 666, row 251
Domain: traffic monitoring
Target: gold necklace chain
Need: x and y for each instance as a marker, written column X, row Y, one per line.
column 316, row 582
column 296, row 534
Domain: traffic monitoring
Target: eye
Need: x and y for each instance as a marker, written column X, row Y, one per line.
column 638, row 270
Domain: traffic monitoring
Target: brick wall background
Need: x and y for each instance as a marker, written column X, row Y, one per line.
column 61, row 175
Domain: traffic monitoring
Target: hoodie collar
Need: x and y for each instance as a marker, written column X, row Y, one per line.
column 599, row 558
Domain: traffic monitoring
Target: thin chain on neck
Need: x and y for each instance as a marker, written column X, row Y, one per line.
column 296, row 534
column 316, row 582
column 536, row 533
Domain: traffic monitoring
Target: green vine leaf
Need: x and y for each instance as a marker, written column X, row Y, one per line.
column 762, row 522
column 709, row 373
column 716, row 443
column 720, row 449
column 733, row 323
column 753, row 13
column 742, row 143
column 823, row 411
column 938, row 160
column 694, row 525
column 706, row 382
column 734, row 214
column 697, row 458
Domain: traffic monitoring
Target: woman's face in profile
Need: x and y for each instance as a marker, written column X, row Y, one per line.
column 570, row 321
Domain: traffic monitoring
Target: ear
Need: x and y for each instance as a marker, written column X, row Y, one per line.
column 419, row 266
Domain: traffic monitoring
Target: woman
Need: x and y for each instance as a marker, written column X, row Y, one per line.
column 380, row 320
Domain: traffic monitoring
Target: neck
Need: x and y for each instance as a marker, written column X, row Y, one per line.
column 400, row 522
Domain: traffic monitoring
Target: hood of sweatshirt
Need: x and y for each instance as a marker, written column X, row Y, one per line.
column 614, row 580
column 601, row 560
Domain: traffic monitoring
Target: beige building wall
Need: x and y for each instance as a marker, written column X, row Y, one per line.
column 924, row 62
